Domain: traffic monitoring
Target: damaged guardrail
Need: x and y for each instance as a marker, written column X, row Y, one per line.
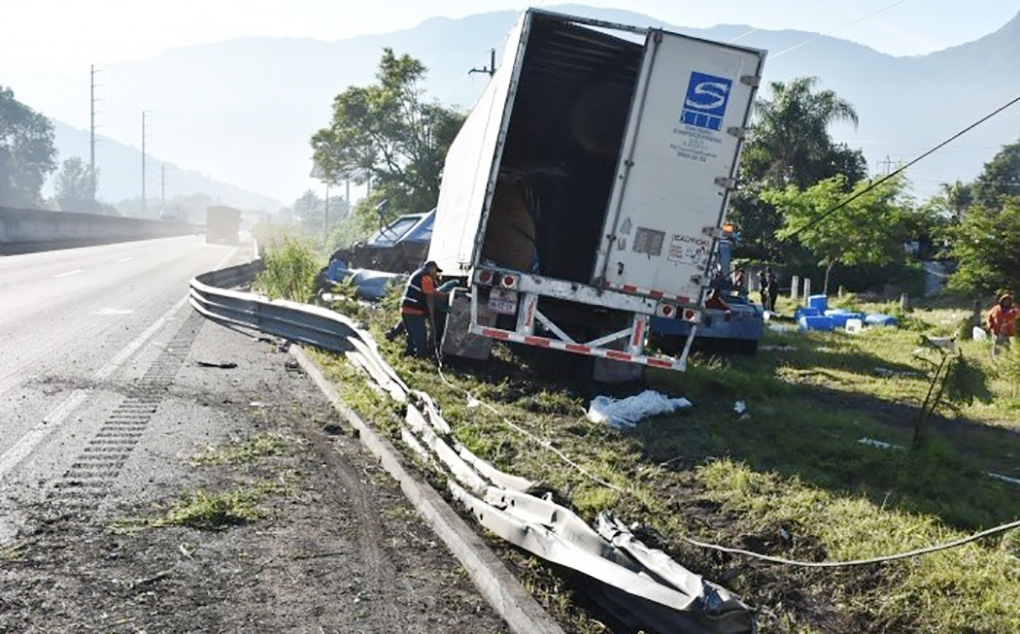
column 641, row 586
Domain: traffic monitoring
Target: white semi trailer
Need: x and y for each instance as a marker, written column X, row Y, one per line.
column 586, row 190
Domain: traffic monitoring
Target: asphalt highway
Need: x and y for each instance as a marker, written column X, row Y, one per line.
column 111, row 385
column 72, row 322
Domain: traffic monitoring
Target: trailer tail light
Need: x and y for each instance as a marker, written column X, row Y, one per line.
column 484, row 278
column 666, row 310
column 508, row 281
column 691, row 315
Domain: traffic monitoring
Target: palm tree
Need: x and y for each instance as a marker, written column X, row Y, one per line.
column 958, row 197
column 790, row 145
column 791, row 135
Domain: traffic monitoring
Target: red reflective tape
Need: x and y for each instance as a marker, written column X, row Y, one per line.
column 660, row 363
column 683, row 300
column 619, row 356
column 630, row 289
column 573, row 347
column 656, row 294
column 638, row 333
column 537, row 341
column 495, row 334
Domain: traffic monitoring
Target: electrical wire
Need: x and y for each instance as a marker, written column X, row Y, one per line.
column 540, row 441
column 900, row 169
column 725, row 549
column 835, row 30
column 855, row 562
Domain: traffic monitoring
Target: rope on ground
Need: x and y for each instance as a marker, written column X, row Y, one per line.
column 854, row 562
column 725, row 549
column 540, row 441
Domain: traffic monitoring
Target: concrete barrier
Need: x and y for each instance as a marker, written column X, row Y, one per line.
column 23, row 230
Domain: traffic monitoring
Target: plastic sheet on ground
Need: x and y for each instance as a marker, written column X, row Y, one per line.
column 628, row 412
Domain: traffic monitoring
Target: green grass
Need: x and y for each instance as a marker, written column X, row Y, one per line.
column 264, row 444
column 207, row 511
column 221, row 510
column 972, row 588
column 792, row 465
column 793, row 460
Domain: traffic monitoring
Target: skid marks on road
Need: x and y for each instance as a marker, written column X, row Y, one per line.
column 96, row 469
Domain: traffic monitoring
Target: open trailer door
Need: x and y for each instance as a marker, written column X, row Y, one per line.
column 677, row 166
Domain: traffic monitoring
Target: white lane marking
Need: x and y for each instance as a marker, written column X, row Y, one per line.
column 125, row 260
column 113, row 311
column 74, row 272
column 13, row 456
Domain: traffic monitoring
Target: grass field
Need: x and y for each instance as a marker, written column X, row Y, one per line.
column 789, row 478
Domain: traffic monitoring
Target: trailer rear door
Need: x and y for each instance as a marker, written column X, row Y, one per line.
column 472, row 163
column 679, row 155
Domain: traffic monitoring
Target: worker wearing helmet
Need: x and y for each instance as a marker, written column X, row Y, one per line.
column 418, row 307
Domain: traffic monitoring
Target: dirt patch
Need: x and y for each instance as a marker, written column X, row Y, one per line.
column 336, row 548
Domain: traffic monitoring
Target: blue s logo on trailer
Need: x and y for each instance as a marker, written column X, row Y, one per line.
column 705, row 103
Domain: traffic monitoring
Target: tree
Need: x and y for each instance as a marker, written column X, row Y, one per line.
column 869, row 229
column 957, row 198
column 789, row 144
column 308, row 210
column 74, row 187
column 387, row 133
column 999, row 179
column 987, row 246
column 27, row 154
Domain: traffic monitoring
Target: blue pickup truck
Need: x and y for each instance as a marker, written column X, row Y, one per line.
column 383, row 259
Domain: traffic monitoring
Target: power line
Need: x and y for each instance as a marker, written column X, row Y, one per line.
column 896, row 172
column 836, row 30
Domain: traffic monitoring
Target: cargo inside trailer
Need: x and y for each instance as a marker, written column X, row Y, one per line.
column 563, row 143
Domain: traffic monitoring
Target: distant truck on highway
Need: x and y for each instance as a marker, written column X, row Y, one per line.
column 586, row 191
column 222, row 224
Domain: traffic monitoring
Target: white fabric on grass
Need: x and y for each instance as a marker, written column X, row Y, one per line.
column 627, row 412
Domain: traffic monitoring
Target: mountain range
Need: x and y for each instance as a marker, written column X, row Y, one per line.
column 243, row 110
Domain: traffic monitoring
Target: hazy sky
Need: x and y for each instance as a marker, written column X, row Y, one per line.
column 64, row 35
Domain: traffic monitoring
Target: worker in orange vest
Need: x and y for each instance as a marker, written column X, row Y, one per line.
column 1002, row 322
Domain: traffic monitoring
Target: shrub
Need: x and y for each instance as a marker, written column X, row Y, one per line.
column 290, row 270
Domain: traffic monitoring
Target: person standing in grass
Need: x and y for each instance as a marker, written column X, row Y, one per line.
column 763, row 286
column 419, row 305
column 1002, row 322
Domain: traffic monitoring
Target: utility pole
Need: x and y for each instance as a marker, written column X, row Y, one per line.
column 162, row 189
column 144, row 210
column 92, row 129
column 888, row 164
column 491, row 69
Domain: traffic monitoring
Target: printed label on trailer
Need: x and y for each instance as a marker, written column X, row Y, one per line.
column 688, row 250
column 649, row 241
column 697, row 136
column 705, row 103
